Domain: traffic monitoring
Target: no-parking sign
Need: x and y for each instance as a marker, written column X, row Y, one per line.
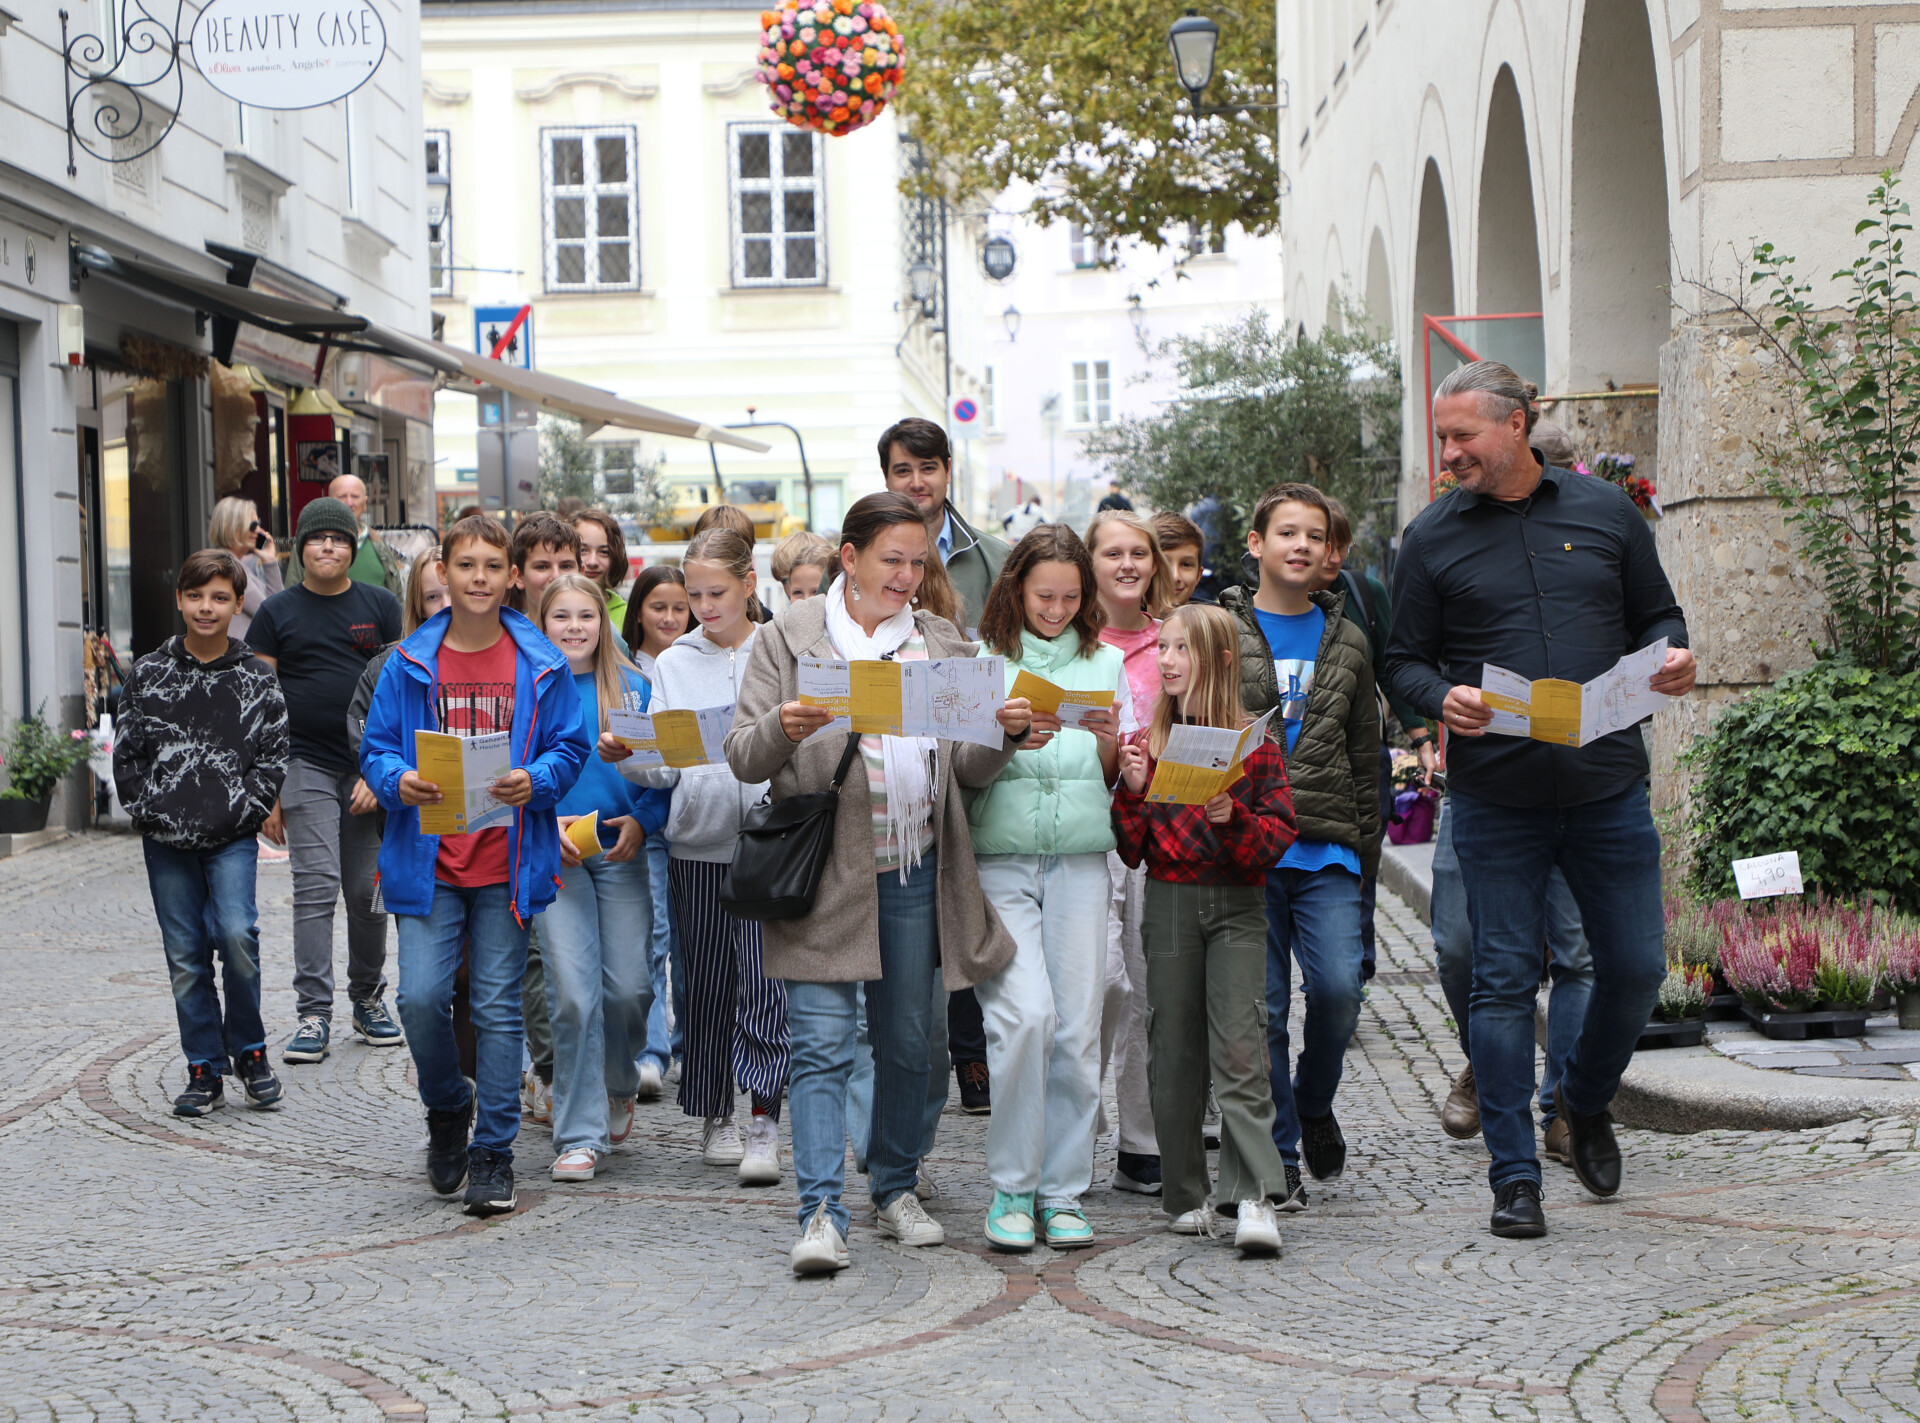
column 966, row 417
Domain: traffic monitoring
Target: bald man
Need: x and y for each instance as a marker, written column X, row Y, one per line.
column 373, row 561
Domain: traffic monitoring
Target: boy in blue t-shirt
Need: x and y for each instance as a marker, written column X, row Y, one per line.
column 1300, row 655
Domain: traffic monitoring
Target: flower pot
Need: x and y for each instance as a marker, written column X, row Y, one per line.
column 1688, row 1032
column 1724, row 1007
column 19, row 816
column 1909, row 1004
column 1818, row 1023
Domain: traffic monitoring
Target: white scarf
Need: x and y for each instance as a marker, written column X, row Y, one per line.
column 909, row 790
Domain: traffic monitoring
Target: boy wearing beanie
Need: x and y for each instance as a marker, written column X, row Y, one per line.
column 318, row 636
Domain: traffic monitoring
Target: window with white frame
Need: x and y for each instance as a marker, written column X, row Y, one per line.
column 779, row 207
column 591, row 209
column 617, row 466
column 1087, row 248
column 1204, row 238
column 1092, row 393
column 989, row 390
column 440, row 245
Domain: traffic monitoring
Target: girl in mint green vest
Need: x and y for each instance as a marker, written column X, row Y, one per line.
column 1041, row 833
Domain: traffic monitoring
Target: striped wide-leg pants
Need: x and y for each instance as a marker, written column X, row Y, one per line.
column 736, row 1027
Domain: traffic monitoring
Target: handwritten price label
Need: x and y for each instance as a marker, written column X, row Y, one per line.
column 1768, row 875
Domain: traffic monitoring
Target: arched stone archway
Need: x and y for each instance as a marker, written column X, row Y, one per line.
column 1507, row 270
column 1379, row 289
column 1618, row 272
column 1432, row 254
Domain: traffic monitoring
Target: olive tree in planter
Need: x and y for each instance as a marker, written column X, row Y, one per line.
column 36, row 758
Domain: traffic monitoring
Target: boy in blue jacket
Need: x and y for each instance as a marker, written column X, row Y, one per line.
column 471, row 669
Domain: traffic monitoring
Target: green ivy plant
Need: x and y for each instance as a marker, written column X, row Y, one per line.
column 1843, row 468
column 1825, row 762
column 37, row 757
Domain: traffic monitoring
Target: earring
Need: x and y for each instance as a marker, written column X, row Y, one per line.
column 856, row 592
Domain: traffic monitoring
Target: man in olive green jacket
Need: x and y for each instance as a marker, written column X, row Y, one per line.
column 1299, row 655
column 917, row 461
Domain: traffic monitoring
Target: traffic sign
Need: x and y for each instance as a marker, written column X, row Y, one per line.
column 491, row 323
column 965, row 412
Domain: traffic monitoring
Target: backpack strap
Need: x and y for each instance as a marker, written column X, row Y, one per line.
column 1357, row 599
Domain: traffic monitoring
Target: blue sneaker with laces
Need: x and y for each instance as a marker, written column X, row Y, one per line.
column 1010, row 1221
column 373, row 1024
column 311, row 1043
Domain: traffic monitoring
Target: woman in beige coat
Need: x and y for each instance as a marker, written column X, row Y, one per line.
column 900, row 898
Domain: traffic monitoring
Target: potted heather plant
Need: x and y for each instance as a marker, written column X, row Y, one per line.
column 1805, row 969
column 1679, row 1014
column 36, row 758
column 1903, row 971
column 1694, row 935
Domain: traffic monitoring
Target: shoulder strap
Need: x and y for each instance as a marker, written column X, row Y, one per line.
column 846, row 760
column 1357, row 599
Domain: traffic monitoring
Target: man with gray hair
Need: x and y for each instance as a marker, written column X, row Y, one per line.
column 1546, row 573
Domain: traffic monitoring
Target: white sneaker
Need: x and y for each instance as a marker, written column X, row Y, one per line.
column 649, row 1080
column 619, row 1118
column 907, row 1223
column 536, row 1097
column 760, row 1166
column 924, row 1186
column 720, row 1143
column 820, row 1249
column 576, row 1164
column 1198, row 1221
column 1258, row 1232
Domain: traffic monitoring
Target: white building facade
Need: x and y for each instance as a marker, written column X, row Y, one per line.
column 1067, row 343
column 618, row 171
column 132, row 393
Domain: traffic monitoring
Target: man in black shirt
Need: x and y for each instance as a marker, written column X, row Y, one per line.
column 1546, row 573
column 318, row 635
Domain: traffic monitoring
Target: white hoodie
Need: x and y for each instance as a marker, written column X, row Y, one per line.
column 708, row 803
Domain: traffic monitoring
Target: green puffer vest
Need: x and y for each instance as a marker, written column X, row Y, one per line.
column 1335, row 766
column 1053, row 801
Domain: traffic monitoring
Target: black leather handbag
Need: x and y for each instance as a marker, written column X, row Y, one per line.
column 783, row 850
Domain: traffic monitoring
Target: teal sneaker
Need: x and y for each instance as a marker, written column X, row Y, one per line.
column 1010, row 1222
column 1065, row 1228
column 311, row 1043
column 374, row 1025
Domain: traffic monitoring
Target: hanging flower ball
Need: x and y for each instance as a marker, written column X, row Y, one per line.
column 830, row 65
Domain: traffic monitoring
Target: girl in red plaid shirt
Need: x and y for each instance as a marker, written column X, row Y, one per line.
column 1205, row 932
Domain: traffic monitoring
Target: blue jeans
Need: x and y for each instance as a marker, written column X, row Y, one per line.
column 204, row 902
column 664, row 1042
column 595, row 937
column 860, row 1083
column 497, row 964
column 1568, row 961
column 820, row 1017
column 1610, row 854
column 1314, row 916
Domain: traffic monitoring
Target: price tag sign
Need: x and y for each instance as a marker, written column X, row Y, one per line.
column 1767, row 875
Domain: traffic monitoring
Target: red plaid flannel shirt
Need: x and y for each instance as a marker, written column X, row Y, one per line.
column 1180, row 846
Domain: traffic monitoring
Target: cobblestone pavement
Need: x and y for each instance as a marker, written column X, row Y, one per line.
column 295, row 1265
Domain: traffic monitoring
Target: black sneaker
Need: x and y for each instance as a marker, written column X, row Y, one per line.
column 257, row 1080
column 1323, row 1147
column 489, row 1182
column 1137, row 1173
column 447, row 1147
column 976, row 1091
column 205, row 1093
column 1296, row 1197
column 1516, row 1211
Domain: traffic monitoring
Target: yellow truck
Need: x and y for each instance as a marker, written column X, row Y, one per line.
column 759, row 498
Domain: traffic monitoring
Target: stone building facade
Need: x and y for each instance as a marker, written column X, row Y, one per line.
column 1603, row 165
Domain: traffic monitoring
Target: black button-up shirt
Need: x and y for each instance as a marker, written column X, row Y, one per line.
column 1559, row 584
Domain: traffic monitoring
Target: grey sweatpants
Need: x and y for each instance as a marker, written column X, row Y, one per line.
column 332, row 849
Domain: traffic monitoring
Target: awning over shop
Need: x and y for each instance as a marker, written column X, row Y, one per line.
column 273, row 313
column 590, row 405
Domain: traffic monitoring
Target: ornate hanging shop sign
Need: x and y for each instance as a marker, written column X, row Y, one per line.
column 124, row 88
column 288, row 54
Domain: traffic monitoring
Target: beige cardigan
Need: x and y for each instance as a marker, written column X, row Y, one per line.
column 839, row 942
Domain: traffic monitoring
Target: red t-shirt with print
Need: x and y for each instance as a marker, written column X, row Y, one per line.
column 474, row 696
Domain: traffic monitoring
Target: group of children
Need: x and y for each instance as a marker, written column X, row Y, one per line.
column 1145, row 931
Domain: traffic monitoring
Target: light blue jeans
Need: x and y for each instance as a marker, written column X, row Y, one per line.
column 860, row 1084
column 663, row 965
column 821, row 1020
column 1569, row 963
column 1042, row 1014
column 594, row 938
column 497, row 964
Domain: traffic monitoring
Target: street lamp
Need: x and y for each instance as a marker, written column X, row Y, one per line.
column 1193, row 39
column 1011, row 316
column 439, row 189
column 920, row 280
column 1136, row 313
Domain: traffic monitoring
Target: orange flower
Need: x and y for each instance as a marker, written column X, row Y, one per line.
column 845, row 7
column 839, row 116
column 872, row 84
column 797, row 48
column 767, row 18
column 786, row 71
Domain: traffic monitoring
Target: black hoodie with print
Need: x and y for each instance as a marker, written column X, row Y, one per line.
column 200, row 749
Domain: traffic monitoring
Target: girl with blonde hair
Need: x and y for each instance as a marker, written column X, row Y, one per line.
column 235, row 527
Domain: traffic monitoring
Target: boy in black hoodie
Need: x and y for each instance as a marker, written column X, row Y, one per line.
column 199, row 754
